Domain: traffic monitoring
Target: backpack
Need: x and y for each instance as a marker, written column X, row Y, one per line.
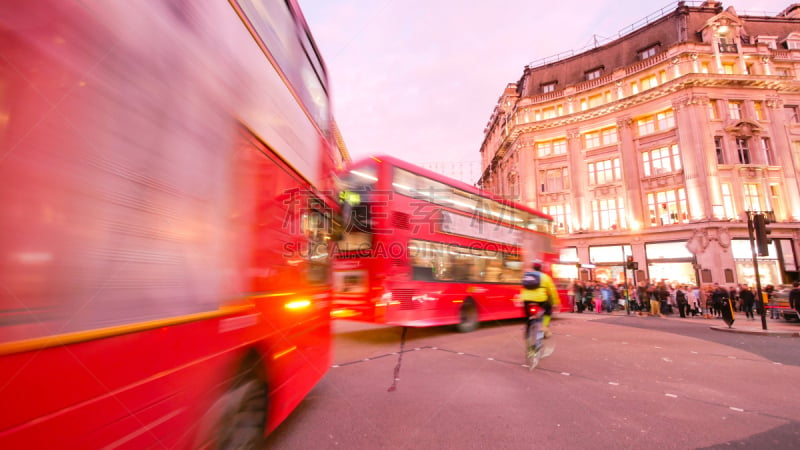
column 531, row 280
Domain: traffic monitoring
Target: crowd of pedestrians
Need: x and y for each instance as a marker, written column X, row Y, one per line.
column 662, row 298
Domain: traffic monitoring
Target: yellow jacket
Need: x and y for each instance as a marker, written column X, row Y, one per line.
column 547, row 291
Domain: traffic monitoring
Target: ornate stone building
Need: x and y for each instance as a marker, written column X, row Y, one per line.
column 657, row 144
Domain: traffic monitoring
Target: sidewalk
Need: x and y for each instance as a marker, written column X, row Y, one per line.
column 775, row 327
column 779, row 327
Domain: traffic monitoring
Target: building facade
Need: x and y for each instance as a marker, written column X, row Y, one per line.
column 660, row 145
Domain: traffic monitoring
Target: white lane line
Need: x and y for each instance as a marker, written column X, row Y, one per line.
column 613, row 383
column 671, row 395
column 566, row 374
column 733, row 408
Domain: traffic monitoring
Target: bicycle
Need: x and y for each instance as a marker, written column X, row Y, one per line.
column 534, row 337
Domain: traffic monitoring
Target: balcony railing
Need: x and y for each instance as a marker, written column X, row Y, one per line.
column 728, row 48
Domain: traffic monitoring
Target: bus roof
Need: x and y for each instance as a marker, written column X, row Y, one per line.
column 446, row 180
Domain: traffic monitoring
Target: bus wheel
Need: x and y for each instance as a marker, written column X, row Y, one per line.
column 468, row 316
column 244, row 413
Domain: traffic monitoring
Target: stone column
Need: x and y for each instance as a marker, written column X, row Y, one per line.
column 631, row 173
column 581, row 209
column 699, row 160
column 782, row 146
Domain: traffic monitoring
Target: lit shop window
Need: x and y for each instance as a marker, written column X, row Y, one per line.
column 667, row 207
column 661, row 160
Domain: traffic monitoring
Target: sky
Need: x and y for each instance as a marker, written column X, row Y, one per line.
column 419, row 79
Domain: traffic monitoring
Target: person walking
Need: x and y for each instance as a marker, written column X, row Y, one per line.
column 794, row 297
column 682, row 300
column 748, row 301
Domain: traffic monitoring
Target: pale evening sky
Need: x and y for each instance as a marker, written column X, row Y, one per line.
column 418, row 79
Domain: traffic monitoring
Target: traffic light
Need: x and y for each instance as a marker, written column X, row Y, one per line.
column 630, row 263
column 760, row 223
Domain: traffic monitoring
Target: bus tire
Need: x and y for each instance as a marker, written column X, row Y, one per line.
column 238, row 418
column 468, row 316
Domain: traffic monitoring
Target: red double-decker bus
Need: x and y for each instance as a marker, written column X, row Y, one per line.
column 164, row 227
column 420, row 249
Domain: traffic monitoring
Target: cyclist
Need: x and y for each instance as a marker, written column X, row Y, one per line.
column 546, row 294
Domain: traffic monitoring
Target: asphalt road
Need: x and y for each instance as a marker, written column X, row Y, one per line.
column 612, row 382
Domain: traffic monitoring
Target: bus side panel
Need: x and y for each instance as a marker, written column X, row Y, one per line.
column 139, row 389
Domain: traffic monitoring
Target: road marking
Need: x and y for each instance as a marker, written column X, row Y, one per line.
column 566, row 374
column 693, row 352
column 490, row 359
column 778, row 364
column 613, row 383
column 657, row 346
column 460, row 353
column 671, row 395
column 335, row 366
column 731, row 357
column 733, row 408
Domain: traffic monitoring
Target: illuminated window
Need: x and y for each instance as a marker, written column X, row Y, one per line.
column 727, row 69
column 549, row 87
column 608, row 214
column 634, row 88
column 661, row 121
column 661, row 160
column 609, row 136
column 549, row 113
column 759, row 107
column 555, row 180
column 667, row 207
column 712, row 110
column 559, row 146
column 752, row 199
column 776, row 200
column 561, row 217
column 554, row 147
column 592, row 139
column 603, row 172
column 595, row 100
column 649, row 82
column 727, row 202
column 735, row 109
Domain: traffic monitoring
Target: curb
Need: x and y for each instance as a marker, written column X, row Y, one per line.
column 781, row 333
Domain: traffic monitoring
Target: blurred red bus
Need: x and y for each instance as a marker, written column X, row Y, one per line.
column 420, row 249
column 164, row 229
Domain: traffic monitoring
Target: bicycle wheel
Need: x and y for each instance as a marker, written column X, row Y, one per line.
column 531, row 345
